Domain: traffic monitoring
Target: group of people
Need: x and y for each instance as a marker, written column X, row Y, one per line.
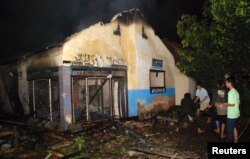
column 224, row 103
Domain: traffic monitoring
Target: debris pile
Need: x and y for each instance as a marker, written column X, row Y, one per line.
column 111, row 139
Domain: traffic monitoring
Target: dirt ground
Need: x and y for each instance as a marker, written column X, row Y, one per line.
column 128, row 139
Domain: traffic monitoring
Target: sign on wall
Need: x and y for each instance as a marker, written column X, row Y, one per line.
column 157, row 63
column 157, row 90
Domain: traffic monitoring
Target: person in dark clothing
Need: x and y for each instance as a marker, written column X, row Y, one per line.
column 220, row 96
column 187, row 109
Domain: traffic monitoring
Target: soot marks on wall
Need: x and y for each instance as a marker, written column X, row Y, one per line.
column 9, row 77
column 98, row 60
column 130, row 17
column 117, row 32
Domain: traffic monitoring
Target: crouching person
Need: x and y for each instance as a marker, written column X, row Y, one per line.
column 188, row 109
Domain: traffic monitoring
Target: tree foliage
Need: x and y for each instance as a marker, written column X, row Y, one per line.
column 218, row 44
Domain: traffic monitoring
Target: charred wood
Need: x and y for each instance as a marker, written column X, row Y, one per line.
column 6, row 133
column 27, row 125
column 16, row 137
column 58, row 154
column 61, row 144
column 168, row 155
column 120, row 126
column 7, row 151
column 167, row 119
column 48, row 156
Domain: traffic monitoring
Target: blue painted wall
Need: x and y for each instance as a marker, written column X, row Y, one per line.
column 140, row 94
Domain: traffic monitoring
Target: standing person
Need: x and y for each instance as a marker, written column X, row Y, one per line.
column 187, row 109
column 233, row 111
column 219, row 97
column 203, row 98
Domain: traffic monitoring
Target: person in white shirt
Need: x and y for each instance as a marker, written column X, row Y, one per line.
column 203, row 98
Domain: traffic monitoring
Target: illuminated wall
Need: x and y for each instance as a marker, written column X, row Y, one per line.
column 126, row 41
column 135, row 46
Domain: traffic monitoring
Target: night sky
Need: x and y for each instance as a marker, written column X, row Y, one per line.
column 31, row 25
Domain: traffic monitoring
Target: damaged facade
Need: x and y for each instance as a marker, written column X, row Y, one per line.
column 98, row 73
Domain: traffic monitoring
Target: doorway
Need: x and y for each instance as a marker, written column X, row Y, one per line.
column 98, row 98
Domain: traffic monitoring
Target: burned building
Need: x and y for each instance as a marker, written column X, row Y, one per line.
column 97, row 73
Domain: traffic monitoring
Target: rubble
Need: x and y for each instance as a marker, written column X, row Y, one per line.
column 107, row 139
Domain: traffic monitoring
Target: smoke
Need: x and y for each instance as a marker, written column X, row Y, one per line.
column 162, row 15
column 31, row 25
column 104, row 10
column 120, row 5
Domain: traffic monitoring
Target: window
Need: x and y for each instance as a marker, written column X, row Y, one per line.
column 157, row 81
column 44, row 98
